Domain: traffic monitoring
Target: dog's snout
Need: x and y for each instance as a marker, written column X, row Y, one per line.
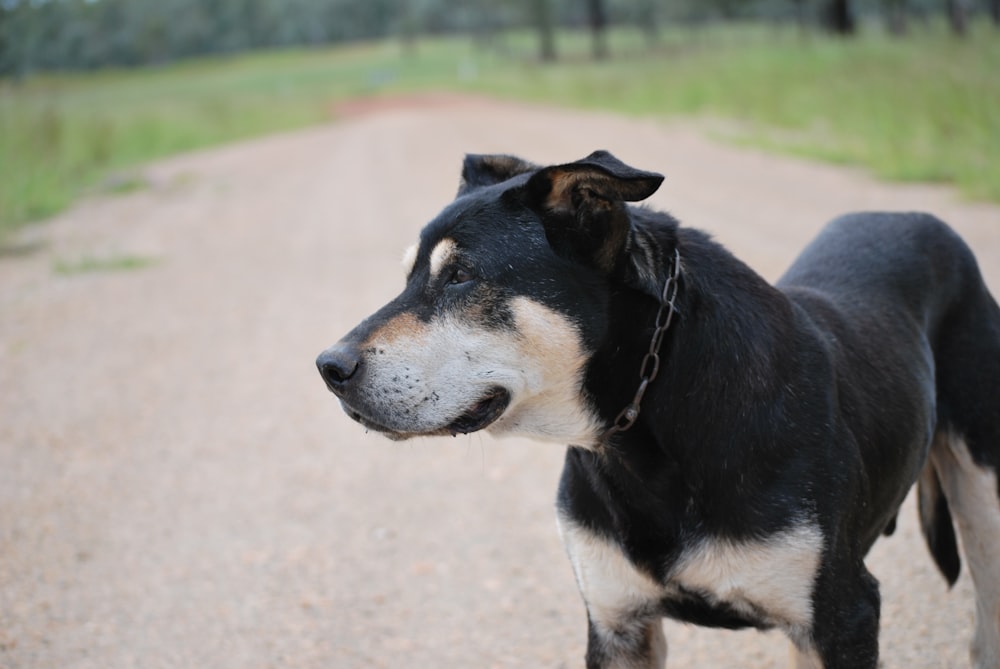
column 337, row 366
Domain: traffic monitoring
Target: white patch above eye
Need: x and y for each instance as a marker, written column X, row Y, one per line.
column 410, row 258
column 441, row 255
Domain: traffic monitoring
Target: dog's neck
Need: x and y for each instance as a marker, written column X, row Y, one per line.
column 702, row 347
column 650, row 367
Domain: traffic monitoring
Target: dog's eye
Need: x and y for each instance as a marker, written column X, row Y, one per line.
column 459, row 276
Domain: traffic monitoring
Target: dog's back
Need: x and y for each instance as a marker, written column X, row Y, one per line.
column 897, row 261
column 911, row 274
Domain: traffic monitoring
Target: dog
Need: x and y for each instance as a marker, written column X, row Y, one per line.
column 734, row 448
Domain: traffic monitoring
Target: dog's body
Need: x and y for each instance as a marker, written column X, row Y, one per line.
column 777, row 429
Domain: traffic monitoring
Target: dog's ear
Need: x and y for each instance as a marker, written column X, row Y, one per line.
column 583, row 206
column 486, row 170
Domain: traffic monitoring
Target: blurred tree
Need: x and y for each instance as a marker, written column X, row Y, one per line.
column 958, row 16
column 800, row 13
column 895, row 16
column 5, row 41
column 838, row 17
column 407, row 27
column 113, row 32
column 598, row 23
column 485, row 19
column 78, row 34
column 728, row 8
column 542, row 16
column 648, row 23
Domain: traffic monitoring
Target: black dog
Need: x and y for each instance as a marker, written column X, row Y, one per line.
column 736, row 448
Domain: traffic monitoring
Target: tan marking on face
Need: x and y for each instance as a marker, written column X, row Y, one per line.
column 441, row 255
column 403, row 326
column 422, row 376
column 410, row 258
column 549, row 357
column 548, row 336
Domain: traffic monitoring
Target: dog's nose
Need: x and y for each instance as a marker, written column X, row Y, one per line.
column 337, row 365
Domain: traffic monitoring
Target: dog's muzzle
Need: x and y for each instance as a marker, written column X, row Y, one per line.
column 338, row 365
column 343, row 369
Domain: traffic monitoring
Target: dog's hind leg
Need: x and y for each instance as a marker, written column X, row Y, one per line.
column 966, row 449
column 972, row 492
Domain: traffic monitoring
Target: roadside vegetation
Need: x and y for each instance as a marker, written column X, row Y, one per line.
column 925, row 107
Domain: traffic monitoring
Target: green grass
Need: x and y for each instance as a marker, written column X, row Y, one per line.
column 61, row 135
column 926, row 108
column 923, row 108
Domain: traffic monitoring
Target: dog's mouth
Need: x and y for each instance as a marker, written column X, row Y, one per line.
column 486, row 411
column 482, row 414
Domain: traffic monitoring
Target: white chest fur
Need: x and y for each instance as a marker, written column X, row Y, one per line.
column 772, row 577
column 769, row 579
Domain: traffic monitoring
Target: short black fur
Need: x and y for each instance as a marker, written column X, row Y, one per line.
column 807, row 408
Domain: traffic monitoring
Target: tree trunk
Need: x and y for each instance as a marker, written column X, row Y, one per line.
column 895, row 16
column 838, row 17
column 800, row 15
column 408, row 30
column 995, row 11
column 546, row 29
column 648, row 24
column 598, row 23
column 958, row 17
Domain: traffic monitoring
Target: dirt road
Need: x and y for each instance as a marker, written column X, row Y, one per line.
column 177, row 488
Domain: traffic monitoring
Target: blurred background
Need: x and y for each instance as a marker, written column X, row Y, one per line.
column 177, row 486
column 909, row 89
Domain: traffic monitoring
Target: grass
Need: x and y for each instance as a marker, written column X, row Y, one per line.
column 923, row 108
column 926, row 108
column 61, row 135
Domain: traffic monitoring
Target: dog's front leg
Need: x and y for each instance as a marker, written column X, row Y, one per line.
column 625, row 628
column 846, row 605
column 631, row 644
column 805, row 658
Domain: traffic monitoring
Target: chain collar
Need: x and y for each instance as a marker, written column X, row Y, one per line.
column 651, row 362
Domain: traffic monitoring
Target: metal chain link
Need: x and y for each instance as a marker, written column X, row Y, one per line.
column 651, row 361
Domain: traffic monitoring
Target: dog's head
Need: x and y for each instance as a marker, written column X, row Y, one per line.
column 505, row 300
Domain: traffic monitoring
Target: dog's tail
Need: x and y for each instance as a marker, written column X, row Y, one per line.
column 936, row 523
